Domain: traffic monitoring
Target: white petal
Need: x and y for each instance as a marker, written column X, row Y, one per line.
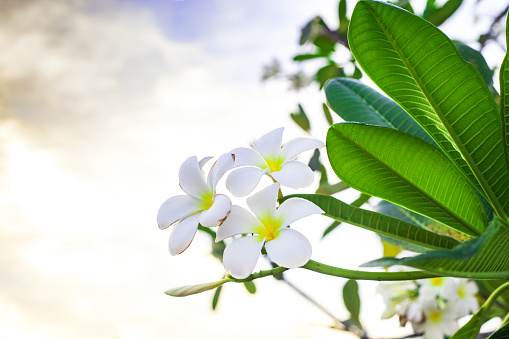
column 191, row 178
column 294, row 209
column 217, row 213
column 176, row 208
column 183, row 233
column 263, row 204
column 238, row 222
column 220, row 167
column 294, row 174
column 269, row 145
column 203, row 161
column 248, row 157
column 243, row 181
column 289, row 249
column 297, row 146
column 240, row 257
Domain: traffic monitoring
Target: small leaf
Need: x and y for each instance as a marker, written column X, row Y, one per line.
column 438, row 15
column 328, row 116
column 329, row 72
column 331, row 228
column 314, row 162
column 301, row 119
column 306, row 32
column 302, row 57
column 250, row 286
column 215, row 299
column 352, row 300
column 343, row 20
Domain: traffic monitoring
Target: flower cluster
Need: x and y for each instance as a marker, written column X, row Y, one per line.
column 433, row 306
column 267, row 225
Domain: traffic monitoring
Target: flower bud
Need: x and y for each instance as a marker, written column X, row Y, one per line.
column 184, row 291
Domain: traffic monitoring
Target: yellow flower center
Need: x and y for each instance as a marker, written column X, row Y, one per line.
column 461, row 292
column 435, row 316
column 269, row 229
column 437, row 281
column 274, row 164
column 207, row 200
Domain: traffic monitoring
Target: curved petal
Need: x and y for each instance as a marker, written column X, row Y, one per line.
column 240, row 257
column 263, row 204
column 248, row 157
column 294, row 174
column 297, row 146
column 238, row 222
column 289, row 249
column 191, row 178
column 294, row 209
column 203, row 161
column 269, row 145
column 217, row 213
column 220, row 167
column 176, row 208
column 243, row 181
column 183, row 233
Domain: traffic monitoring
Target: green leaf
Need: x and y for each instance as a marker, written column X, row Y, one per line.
column 484, row 257
column 418, row 67
column 352, row 300
column 301, row 119
column 302, row 57
column 215, row 299
column 354, row 101
column 438, row 15
column 504, row 98
column 328, row 116
column 328, row 72
column 356, row 203
column 407, row 171
column 405, row 4
column 376, row 222
column 343, row 20
column 250, row 286
column 306, row 32
column 314, row 162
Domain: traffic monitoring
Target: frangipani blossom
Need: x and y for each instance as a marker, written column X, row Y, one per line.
column 201, row 205
column 443, row 287
column 437, row 322
column 285, row 246
column 271, row 159
column 466, row 303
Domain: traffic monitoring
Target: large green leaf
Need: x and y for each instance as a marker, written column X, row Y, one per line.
column 354, row 101
column 418, row 66
column 484, row 257
column 379, row 223
column 504, row 98
column 407, row 171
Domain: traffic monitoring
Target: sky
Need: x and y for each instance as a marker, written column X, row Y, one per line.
column 100, row 103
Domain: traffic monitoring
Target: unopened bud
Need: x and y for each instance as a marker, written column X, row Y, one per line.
column 184, row 291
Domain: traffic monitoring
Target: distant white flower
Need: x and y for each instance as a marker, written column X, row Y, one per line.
column 396, row 295
column 273, row 160
column 285, row 246
column 466, row 302
column 201, row 205
column 443, row 287
column 437, row 322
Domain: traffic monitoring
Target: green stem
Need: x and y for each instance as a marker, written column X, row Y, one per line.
column 364, row 275
column 262, row 274
column 505, row 321
column 493, row 297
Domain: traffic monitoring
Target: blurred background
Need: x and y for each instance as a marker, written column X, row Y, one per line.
column 100, row 103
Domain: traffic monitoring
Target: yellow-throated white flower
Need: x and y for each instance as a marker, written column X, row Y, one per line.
column 201, row 205
column 271, row 159
column 466, row 302
column 437, row 322
column 285, row 246
column 431, row 288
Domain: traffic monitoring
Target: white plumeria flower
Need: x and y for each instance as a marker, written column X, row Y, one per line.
column 396, row 295
column 273, row 160
column 443, row 287
column 437, row 322
column 285, row 246
column 466, row 302
column 201, row 205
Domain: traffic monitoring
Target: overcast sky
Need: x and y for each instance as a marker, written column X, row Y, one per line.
column 100, row 103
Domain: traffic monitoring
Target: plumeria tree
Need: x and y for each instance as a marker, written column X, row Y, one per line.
column 436, row 154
